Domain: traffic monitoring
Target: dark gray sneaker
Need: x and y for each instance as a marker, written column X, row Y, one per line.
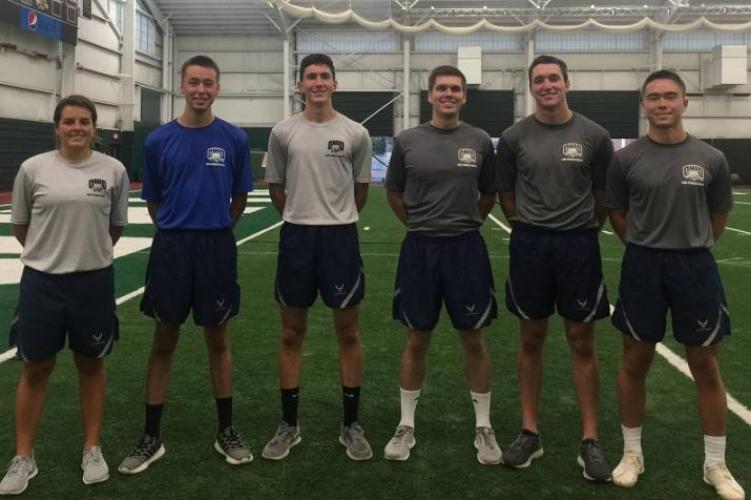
column 285, row 438
column 230, row 444
column 147, row 451
column 520, row 453
column 352, row 437
column 592, row 461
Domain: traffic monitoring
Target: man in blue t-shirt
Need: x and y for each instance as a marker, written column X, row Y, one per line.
column 196, row 178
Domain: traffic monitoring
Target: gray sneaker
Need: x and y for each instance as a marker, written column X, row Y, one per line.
column 520, row 453
column 488, row 451
column 285, row 438
column 592, row 461
column 148, row 450
column 230, row 444
column 94, row 467
column 399, row 445
column 21, row 469
column 352, row 437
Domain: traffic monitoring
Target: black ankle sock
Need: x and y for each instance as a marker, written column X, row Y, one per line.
column 290, row 398
column 350, row 403
column 153, row 419
column 224, row 412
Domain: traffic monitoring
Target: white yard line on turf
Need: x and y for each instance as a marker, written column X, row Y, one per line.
column 501, row 224
column 737, row 230
column 742, row 202
column 609, row 233
column 739, row 193
column 11, row 353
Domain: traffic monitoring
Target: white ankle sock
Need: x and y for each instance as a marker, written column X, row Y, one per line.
column 714, row 450
column 481, row 403
column 631, row 439
column 408, row 405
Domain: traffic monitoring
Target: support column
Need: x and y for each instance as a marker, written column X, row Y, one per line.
column 655, row 50
column 406, row 78
column 287, row 81
column 68, row 69
column 167, row 72
column 529, row 102
column 127, row 67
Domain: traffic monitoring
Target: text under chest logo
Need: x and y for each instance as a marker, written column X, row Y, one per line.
column 573, row 151
column 693, row 175
column 215, row 157
column 466, row 157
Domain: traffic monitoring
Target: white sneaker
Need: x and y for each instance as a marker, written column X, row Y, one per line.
column 627, row 472
column 398, row 446
column 94, row 466
column 718, row 476
column 21, row 469
column 488, row 451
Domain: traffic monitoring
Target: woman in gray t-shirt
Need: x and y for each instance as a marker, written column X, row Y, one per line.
column 69, row 209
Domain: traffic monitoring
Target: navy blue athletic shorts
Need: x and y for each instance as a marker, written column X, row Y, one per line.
column 556, row 269
column 51, row 307
column 455, row 271
column 315, row 259
column 192, row 269
column 686, row 282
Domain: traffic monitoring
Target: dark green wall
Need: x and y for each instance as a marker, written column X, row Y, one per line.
column 20, row 139
column 616, row 110
column 738, row 154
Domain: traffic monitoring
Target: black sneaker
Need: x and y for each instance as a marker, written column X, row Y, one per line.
column 148, row 450
column 520, row 453
column 592, row 461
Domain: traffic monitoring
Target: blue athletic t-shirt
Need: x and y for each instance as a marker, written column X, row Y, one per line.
column 193, row 172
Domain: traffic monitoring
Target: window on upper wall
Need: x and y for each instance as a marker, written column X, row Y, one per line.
column 434, row 41
column 703, row 40
column 147, row 35
column 591, row 41
column 348, row 42
column 115, row 11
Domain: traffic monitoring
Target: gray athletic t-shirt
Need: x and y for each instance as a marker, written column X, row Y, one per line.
column 319, row 164
column 553, row 169
column 669, row 192
column 440, row 174
column 69, row 208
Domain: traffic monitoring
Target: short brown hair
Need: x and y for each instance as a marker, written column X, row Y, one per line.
column 663, row 74
column 203, row 61
column 543, row 59
column 74, row 100
column 446, row 70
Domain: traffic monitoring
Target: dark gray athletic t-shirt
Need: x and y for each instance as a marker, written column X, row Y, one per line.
column 553, row 169
column 669, row 192
column 440, row 174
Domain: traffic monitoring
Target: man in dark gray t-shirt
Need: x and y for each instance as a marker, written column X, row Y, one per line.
column 669, row 195
column 552, row 169
column 441, row 185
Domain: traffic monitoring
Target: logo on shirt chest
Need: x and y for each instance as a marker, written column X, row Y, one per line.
column 693, row 175
column 97, row 187
column 335, row 148
column 215, row 157
column 466, row 157
column 573, row 151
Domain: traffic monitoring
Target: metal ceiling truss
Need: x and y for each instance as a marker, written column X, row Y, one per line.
column 586, row 12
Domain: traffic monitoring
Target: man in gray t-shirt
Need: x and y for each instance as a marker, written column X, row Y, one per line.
column 318, row 170
column 669, row 195
column 551, row 169
column 441, row 185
